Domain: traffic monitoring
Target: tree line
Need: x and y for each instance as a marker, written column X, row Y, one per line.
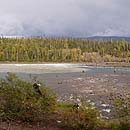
column 62, row 50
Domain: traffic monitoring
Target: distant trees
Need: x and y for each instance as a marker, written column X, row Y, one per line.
column 62, row 50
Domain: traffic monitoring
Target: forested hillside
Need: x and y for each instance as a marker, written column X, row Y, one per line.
column 62, row 50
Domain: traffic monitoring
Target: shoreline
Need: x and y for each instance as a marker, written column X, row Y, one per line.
column 102, row 64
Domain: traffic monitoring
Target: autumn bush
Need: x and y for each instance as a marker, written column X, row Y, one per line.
column 119, row 124
column 121, row 105
column 84, row 117
column 18, row 101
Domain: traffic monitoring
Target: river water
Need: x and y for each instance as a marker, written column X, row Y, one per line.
column 58, row 68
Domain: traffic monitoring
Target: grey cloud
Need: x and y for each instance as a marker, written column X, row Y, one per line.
column 65, row 17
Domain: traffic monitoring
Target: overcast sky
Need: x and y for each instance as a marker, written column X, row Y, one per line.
column 78, row 18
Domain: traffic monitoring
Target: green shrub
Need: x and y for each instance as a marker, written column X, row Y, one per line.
column 121, row 105
column 82, row 118
column 18, row 101
column 121, row 124
column 124, row 125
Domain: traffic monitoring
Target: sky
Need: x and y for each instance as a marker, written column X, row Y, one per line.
column 65, row 18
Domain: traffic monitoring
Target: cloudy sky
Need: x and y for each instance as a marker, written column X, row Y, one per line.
column 77, row 18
